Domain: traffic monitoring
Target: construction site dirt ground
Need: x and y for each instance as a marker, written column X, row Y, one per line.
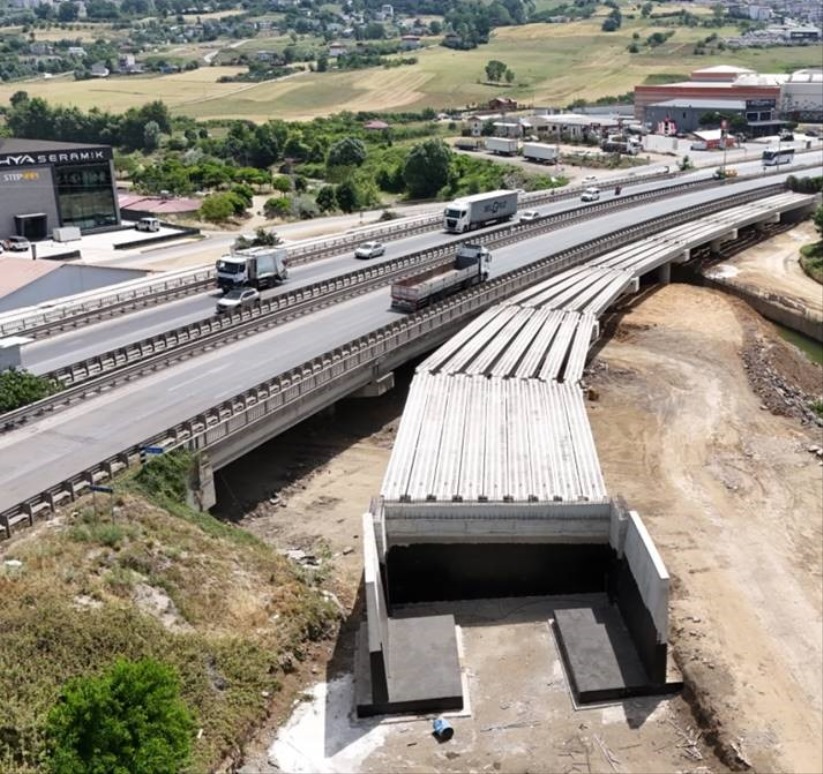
column 733, row 498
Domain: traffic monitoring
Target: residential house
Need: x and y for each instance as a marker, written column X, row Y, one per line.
column 409, row 42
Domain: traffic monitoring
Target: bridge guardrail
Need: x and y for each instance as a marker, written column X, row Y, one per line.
column 168, row 340
column 147, row 290
column 282, row 390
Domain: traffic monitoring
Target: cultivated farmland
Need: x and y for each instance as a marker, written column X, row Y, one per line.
column 554, row 64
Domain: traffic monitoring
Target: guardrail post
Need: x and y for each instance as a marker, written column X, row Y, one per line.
column 28, row 510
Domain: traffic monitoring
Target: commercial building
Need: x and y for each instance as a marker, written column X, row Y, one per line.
column 45, row 185
column 723, row 83
column 765, row 101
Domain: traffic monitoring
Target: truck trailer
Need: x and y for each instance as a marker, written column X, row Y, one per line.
column 255, row 267
column 467, row 269
column 538, row 151
column 479, row 210
column 505, row 146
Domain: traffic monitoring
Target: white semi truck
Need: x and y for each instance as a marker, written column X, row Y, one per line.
column 479, row 210
column 255, row 267
column 505, row 146
column 467, row 269
column 538, row 151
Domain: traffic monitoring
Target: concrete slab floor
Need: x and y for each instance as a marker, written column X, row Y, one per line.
column 522, row 714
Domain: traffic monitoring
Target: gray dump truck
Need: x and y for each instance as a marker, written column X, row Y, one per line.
column 254, row 267
column 467, row 269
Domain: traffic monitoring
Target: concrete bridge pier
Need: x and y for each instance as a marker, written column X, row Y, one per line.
column 380, row 385
column 202, row 494
column 664, row 274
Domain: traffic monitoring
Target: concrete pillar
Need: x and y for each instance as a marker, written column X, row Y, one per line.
column 202, row 494
column 377, row 614
column 377, row 387
column 664, row 274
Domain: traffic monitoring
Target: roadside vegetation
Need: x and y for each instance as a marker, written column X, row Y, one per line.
column 19, row 388
column 811, row 256
column 114, row 582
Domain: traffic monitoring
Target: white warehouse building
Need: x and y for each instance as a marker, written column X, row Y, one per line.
column 802, row 95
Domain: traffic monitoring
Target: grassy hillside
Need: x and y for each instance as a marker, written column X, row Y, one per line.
column 554, row 64
column 224, row 609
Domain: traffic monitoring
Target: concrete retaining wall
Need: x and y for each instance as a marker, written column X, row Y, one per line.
column 377, row 613
column 649, row 573
column 410, row 523
column 772, row 307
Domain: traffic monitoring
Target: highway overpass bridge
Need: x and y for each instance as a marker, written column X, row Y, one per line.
column 226, row 402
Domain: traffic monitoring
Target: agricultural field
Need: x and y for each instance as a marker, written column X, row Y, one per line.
column 554, row 64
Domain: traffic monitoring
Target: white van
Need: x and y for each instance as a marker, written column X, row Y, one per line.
column 590, row 195
column 148, row 224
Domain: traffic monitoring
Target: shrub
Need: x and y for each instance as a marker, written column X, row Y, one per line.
column 19, row 388
column 129, row 719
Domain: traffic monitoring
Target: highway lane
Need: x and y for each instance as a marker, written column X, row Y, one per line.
column 63, row 349
column 43, row 453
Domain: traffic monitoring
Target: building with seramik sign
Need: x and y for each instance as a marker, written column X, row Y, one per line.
column 46, row 185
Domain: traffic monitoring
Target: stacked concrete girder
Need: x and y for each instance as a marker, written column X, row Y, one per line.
column 494, row 447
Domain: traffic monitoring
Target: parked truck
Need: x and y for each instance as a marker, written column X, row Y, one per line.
column 468, row 143
column 506, row 146
column 467, row 269
column 256, row 267
column 629, row 146
column 538, row 151
column 479, row 210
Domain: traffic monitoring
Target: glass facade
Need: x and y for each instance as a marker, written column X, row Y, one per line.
column 85, row 195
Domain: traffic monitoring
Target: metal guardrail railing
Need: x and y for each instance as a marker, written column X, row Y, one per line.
column 94, row 305
column 322, row 372
column 85, row 378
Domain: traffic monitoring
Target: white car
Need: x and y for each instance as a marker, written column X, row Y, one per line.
column 529, row 215
column 17, row 244
column 237, row 299
column 590, row 195
column 370, row 250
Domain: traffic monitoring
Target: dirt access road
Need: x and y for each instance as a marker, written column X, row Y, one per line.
column 731, row 495
column 734, row 501
column 773, row 266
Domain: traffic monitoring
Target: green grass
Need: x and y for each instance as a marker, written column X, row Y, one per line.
column 70, row 610
column 553, row 63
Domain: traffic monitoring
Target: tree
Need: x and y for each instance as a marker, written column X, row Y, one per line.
column 67, row 12
column 495, row 70
column 131, row 718
column 326, row 199
column 217, row 208
column 151, row 136
column 348, row 152
column 509, row 75
column 347, row 196
column 818, row 220
column 427, row 168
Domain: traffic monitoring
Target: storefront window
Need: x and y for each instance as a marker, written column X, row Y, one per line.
column 86, row 196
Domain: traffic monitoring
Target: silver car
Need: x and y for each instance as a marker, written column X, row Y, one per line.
column 237, row 299
column 370, row 250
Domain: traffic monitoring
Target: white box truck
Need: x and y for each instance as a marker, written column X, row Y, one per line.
column 506, row 146
column 255, row 267
column 478, row 210
column 468, row 269
column 538, row 151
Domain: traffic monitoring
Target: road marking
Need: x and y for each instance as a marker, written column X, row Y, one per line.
column 198, row 378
